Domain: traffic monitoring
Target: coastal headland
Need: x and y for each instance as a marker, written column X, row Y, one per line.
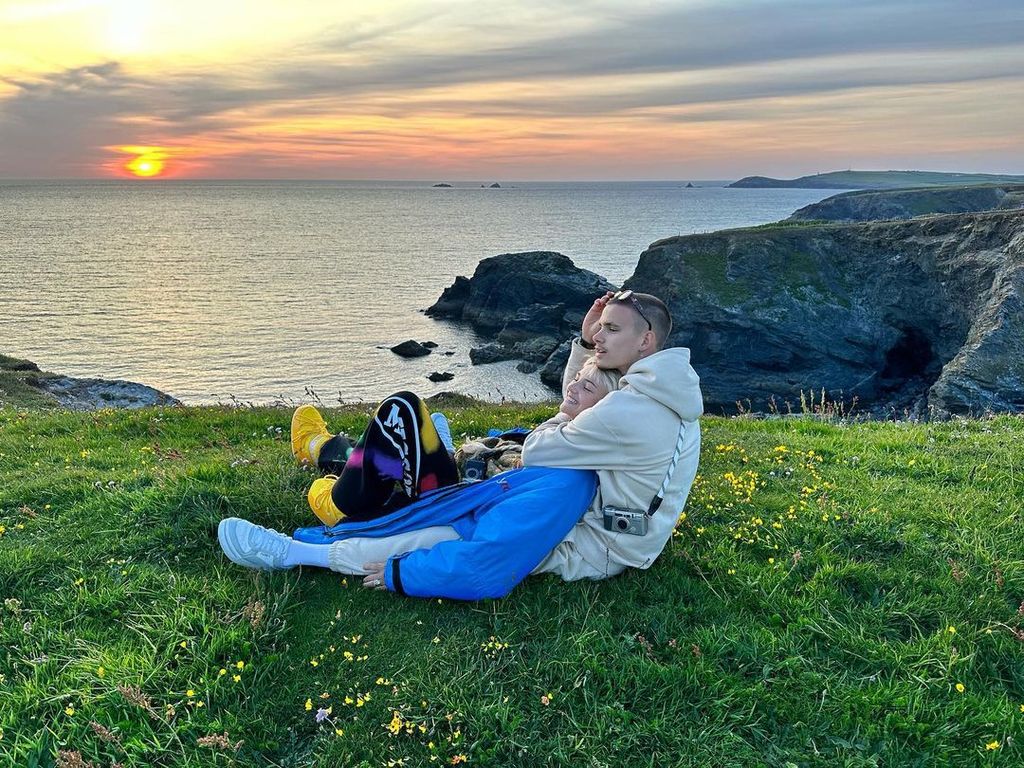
column 877, row 180
column 920, row 316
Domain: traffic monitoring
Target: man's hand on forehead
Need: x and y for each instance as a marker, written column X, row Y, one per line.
column 592, row 321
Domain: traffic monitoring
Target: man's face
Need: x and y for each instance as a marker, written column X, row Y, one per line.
column 623, row 338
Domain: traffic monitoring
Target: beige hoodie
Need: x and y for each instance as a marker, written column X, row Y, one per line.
column 628, row 437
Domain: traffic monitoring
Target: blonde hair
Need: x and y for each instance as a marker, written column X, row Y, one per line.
column 609, row 378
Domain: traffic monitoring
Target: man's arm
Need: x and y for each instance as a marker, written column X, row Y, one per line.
column 585, row 442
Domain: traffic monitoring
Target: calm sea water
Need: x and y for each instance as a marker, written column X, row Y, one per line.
column 258, row 290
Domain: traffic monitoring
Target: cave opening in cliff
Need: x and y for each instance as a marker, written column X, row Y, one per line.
column 911, row 357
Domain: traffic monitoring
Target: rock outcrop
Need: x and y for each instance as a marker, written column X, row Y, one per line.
column 913, row 315
column 22, row 383
column 411, row 348
column 528, row 302
column 923, row 316
column 908, row 203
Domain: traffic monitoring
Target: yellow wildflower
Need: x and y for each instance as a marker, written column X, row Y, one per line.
column 69, row 710
column 309, row 704
column 960, row 688
column 951, row 629
column 992, row 745
column 240, row 665
column 190, row 693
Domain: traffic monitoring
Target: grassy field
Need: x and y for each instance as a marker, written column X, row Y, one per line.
column 835, row 595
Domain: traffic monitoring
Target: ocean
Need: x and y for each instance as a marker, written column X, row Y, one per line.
column 215, row 291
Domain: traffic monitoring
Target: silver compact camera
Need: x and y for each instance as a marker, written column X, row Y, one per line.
column 621, row 520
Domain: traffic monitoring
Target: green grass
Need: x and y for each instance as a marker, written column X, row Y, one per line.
column 818, row 606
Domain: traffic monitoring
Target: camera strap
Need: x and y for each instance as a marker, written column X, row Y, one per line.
column 656, row 501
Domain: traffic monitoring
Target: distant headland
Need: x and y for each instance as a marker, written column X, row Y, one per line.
column 876, row 180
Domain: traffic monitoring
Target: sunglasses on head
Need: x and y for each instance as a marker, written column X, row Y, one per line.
column 628, row 296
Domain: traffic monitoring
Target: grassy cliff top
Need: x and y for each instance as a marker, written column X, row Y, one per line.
column 833, row 595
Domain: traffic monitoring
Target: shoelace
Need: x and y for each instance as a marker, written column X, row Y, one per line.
column 326, row 491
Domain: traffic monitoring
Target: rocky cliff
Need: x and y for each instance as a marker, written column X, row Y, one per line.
column 919, row 314
column 908, row 203
column 22, row 383
column 923, row 315
column 530, row 303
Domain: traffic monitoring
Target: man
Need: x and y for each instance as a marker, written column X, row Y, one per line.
column 630, row 438
column 643, row 442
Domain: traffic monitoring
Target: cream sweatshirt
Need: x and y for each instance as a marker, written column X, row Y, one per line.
column 628, row 437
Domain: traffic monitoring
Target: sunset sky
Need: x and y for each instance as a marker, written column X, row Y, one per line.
column 489, row 89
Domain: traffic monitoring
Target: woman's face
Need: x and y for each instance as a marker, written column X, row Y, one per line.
column 583, row 391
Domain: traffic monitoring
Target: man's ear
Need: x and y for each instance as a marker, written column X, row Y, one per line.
column 648, row 343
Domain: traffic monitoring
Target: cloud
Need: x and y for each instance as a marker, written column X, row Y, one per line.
column 560, row 63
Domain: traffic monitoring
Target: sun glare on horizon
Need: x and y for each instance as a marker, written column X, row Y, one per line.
column 147, row 163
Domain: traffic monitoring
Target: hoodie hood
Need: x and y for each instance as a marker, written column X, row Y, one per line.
column 668, row 378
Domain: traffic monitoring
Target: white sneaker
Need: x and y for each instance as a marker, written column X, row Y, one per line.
column 443, row 430
column 253, row 545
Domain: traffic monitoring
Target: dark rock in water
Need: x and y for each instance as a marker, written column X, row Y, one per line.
column 453, row 299
column 443, row 185
column 554, row 366
column 439, row 376
column 502, row 286
column 410, row 348
column 533, row 300
column 495, row 185
column 448, row 353
column 534, row 319
column 536, row 350
column 907, row 203
column 919, row 315
column 492, row 352
column 689, row 185
column 429, row 344
column 527, row 367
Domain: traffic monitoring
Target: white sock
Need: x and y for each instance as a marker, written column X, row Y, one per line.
column 301, row 553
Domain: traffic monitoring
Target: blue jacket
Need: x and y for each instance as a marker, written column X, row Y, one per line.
column 507, row 525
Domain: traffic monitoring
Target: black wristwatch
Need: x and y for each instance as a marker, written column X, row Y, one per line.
column 584, row 343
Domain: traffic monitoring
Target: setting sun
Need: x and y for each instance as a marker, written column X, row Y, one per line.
column 148, row 161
